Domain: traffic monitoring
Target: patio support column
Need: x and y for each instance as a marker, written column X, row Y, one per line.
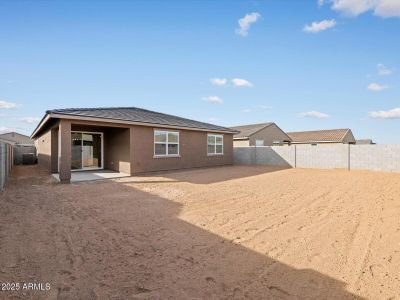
column 54, row 150
column 131, row 149
column 64, row 160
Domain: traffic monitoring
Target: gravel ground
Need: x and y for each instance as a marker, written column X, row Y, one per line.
column 221, row 233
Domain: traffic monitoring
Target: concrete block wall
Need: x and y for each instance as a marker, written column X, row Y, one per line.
column 375, row 157
column 324, row 156
column 6, row 162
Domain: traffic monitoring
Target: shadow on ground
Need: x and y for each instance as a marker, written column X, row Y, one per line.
column 109, row 240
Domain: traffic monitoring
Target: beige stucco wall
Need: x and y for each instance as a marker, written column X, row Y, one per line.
column 269, row 135
column 241, row 143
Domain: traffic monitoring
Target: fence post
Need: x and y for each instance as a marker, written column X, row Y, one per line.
column 348, row 158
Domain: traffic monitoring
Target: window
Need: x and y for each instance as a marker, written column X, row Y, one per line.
column 166, row 143
column 259, row 143
column 215, row 144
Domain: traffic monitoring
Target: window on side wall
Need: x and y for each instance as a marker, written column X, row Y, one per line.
column 215, row 144
column 166, row 143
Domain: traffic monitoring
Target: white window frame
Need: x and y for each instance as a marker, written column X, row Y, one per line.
column 166, row 143
column 215, row 144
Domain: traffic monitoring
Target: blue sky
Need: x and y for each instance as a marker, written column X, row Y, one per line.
column 193, row 59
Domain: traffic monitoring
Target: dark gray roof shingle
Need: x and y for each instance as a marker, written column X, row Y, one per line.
column 134, row 114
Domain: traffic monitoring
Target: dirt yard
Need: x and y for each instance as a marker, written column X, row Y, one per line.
column 223, row 233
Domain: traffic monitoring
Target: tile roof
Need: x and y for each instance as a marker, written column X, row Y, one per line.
column 331, row 135
column 16, row 138
column 246, row 131
column 137, row 115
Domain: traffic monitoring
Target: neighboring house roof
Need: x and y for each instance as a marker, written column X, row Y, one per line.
column 245, row 131
column 331, row 135
column 16, row 138
column 129, row 115
column 364, row 142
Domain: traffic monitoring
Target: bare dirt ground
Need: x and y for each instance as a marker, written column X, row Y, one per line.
column 223, row 233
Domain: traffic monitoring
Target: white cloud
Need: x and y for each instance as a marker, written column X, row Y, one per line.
column 4, row 129
column 385, row 114
column 245, row 23
column 382, row 8
column 8, row 105
column 264, row 107
column 316, row 27
column 213, row 99
column 376, row 87
column 321, row 2
column 241, row 82
column 247, row 110
column 31, row 120
column 383, row 70
column 314, row 114
column 218, row 81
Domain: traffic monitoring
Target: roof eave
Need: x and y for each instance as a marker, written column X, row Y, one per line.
column 50, row 115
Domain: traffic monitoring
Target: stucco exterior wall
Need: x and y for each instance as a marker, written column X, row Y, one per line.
column 116, row 150
column 43, row 147
column 269, row 135
column 241, row 143
column 193, row 151
column 130, row 149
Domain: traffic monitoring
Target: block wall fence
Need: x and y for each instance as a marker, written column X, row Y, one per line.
column 323, row 156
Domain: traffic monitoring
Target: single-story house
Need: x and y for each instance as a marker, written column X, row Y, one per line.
column 16, row 138
column 365, row 142
column 264, row 134
column 339, row 136
column 129, row 140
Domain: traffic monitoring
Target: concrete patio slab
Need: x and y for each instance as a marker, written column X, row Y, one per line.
column 80, row 176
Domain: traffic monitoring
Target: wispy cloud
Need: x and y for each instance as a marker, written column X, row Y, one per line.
column 382, row 8
column 219, row 81
column 213, row 99
column 314, row 114
column 376, row 87
column 245, row 23
column 385, row 114
column 239, row 82
column 30, row 120
column 316, row 27
column 247, row 110
column 383, row 70
column 8, row 105
column 4, row 129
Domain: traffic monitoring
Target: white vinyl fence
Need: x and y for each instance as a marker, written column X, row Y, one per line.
column 6, row 162
column 324, row 156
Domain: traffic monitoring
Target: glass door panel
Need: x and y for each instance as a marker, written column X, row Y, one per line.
column 86, row 151
column 76, row 151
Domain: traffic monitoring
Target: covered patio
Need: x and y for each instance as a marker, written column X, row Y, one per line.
column 83, row 150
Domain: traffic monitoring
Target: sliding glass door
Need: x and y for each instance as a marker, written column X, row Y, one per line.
column 86, row 152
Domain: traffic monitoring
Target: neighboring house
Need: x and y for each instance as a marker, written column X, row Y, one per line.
column 23, row 147
column 264, row 134
column 365, row 142
column 16, row 138
column 129, row 140
column 342, row 136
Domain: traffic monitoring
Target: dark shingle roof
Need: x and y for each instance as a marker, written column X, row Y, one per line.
column 246, row 131
column 139, row 115
column 331, row 135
